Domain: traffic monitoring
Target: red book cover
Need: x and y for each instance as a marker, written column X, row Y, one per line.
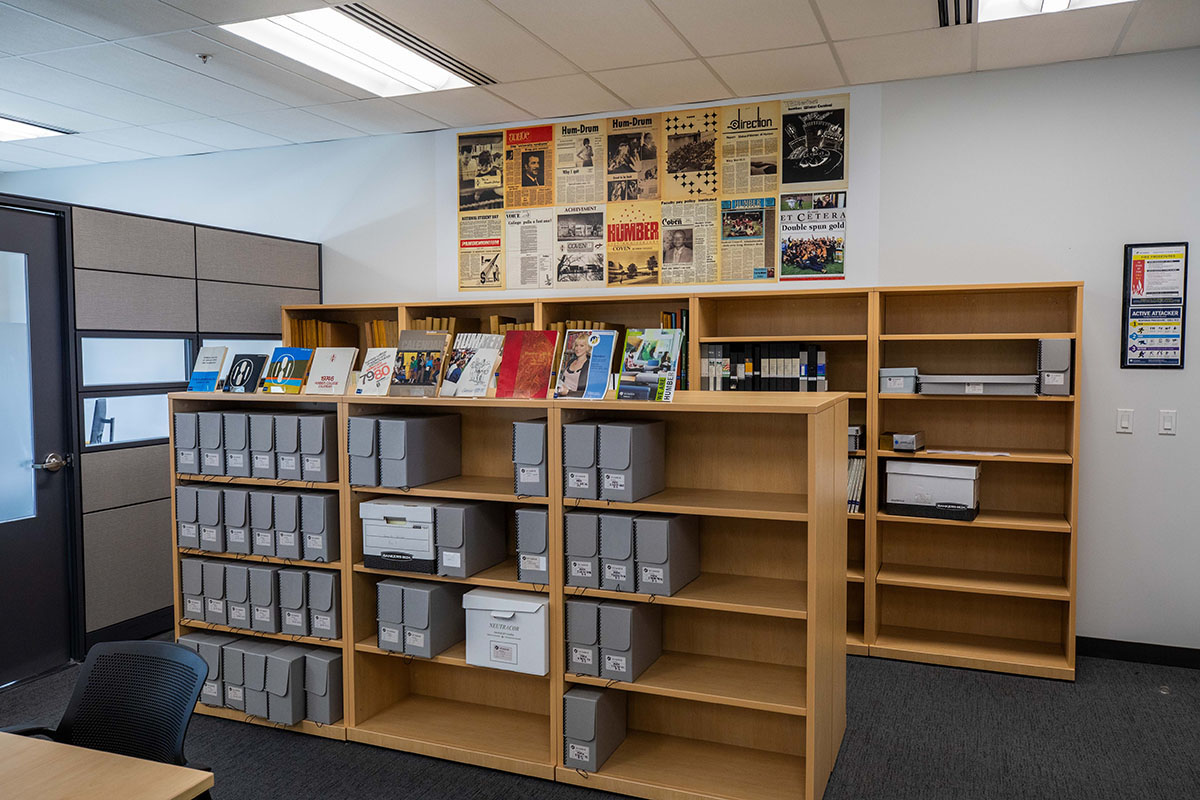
column 526, row 364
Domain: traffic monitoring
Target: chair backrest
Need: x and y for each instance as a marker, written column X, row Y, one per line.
column 135, row 699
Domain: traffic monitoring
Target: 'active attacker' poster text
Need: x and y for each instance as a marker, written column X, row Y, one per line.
column 690, row 242
column 579, row 162
column 633, row 244
column 750, row 149
column 481, row 251
column 814, row 143
column 748, row 251
column 579, row 246
column 529, row 248
column 812, row 236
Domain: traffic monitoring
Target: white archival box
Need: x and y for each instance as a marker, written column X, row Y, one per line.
column 397, row 527
column 928, row 483
column 508, row 630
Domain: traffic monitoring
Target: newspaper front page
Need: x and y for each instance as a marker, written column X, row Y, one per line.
column 750, row 149
column 480, row 170
column 579, row 162
column 814, row 143
column 481, row 251
column 634, row 148
column 528, row 154
column 633, row 244
column 529, row 248
column 579, row 246
column 689, row 242
column 812, row 236
column 748, row 251
column 691, row 163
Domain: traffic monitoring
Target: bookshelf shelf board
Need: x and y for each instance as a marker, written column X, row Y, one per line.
column 769, row 597
column 501, row 576
column 856, row 572
column 857, row 453
column 1003, row 398
column 976, row 581
column 1040, row 659
column 834, row 337
column 269, row 483
column 713, row 503
column 452, row 402
column 469, row 487
column 662, row 767
column 856, row 514
column 723, row 681
column 966, row 337
column 283, row 637
column 855, row 643
column 336, row 731
column 286, row 562
column 1015, row 455
column 1010, row 520
column 743, row 402
column 454, row 656
column 500, row 738
column 255, row 397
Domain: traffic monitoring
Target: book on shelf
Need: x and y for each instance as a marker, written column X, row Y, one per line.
column 207, row 370
column 378, row 333
column 287, row 370
column 586, row 364
column 419, row 359
column 329, row 370
column 314, row 333
column 679, row 319
column 471, row 365
column 526, row 364
column 648, row 364
column 762, row 367
column 855, row 483
column 244, row 373
column 375, row 377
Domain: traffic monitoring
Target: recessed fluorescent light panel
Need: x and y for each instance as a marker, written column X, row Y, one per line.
column 328, row 40
column 991, row 10
column 12, row 130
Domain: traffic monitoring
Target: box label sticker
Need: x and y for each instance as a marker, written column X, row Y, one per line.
column 579, row 752
column 312, row 464
column 286, row 539
column 237, row 460
column 235, row 535
column 216, row 606
column 581, row 569
column 614, row 480
column 537, row 563
column 293, row 618
column 211, row 689
column 653, row 575
column 193, row 605
column 503, row 653
column 529, row 474
column 263, row 538
column 579, row 480
column 237, row 613
column 287, row 462
column 262, row 461
column 1053, row 378
column 262, row 613
column 582, row 655
column 234, row 693
column 208, row 534
column 452, row 558
column 322, row 622
column 614, row 572
column 186, row 457
column 212, row 459
column 974, row 388
column 414, row 639
column 314, row 541
column 615, row 663
column 389, row 634
column 893, row 383
column 186, row 529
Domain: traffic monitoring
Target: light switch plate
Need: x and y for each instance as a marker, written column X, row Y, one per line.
column 1124, row 420
column 1166, row 421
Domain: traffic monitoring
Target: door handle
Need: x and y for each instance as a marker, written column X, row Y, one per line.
column 54, row 462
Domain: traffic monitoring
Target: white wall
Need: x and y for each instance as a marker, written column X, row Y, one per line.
column 1024, row 175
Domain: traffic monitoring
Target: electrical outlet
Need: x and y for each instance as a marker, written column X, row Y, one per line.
column 1124, row 420
column 1166, row 422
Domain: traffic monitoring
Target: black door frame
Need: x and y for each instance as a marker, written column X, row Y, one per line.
column 74, row 515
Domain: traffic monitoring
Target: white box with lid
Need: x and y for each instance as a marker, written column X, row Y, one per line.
column 933, row 483
column 508, row 630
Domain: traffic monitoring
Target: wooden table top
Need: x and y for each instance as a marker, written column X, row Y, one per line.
column 35, row 769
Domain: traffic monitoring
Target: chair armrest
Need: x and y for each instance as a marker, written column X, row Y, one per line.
column 29, row 730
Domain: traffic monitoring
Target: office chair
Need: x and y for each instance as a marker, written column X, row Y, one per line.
column 131, row 698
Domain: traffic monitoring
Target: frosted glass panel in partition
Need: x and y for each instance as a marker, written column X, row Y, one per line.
column 124, row 418
column 17, row 498
column 113, row 361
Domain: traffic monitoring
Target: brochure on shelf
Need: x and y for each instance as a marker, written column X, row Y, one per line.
column 375, row 377
column 330, row 369
column 207, row 370
column 586, row 364
column 649, row 364
column 245, row 371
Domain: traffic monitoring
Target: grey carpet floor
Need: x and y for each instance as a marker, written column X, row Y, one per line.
column 914, row 732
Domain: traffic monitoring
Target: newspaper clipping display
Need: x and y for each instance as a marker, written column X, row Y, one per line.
column 579, row 162
column 812, row 236
column 750, row 149
column 480, row 170
column 633, row 155
column 633, row 244
column 814, row 143
column 691, row 164
column 579, row 246
column 529, row 248
column 528, row 154
column 481, row 251
column 748, row 251
column 689, row 242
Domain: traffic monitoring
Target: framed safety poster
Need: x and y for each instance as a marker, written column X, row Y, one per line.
column 1154, row 307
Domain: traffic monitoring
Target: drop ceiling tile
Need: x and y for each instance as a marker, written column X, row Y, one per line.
column 22, row 32
column 112, row 19
column 79, row 146
column 664, row 84
column 219, row 134
column 917, row 54
column 377, row 116
column 463, row 108
column 156, row 143
column 1047, row 38
column 56, row 116
column 717, row 27
column 137, row 72
column 560, row 97
column 607, row 35
column 790, row 69
column 223, row 11
column 53, row 85
column 236, row 68
column 854, row 19
column 41, row 159
column 478, row 35
column 296, row 125
column 1163, row 25
column 12, row 166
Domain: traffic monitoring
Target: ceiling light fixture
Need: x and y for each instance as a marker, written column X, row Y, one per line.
column 329, row 41
column 13, row 129
column 991, row 10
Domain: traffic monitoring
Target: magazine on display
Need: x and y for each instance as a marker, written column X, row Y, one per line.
column 207, row 370
column 287, row 370
column 244, row 373
column 586, row 364
column 526, row 364
column 648, row 364
column 330, row 370
column 419, row 359
column 471, row 365
column 376, row 374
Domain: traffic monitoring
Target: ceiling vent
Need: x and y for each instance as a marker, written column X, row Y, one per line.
column 955, row 12
column 385, row 27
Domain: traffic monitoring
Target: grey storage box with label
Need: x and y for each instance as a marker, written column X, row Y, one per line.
column 433, row 618
column 389, row 614
column 414, row 451
column 262, row 522
column 293, row 602
column 630, row 639
column 583, row 636
column 237, row 596
column 187, row 443
column 209, row 646
column 978, row 384
column 318, row 447
column 211, row 426
column 667, row 549
column 632, row 459
column 898, row 380
column 935, row 489
column 214, row 593
column 398, row 535
column 581, row 475
column 262, row 445
column 285, row 684
column 288, row 543
column 187, row 520
column 287, row 447
column 319, row 526
column 582, row 529
column 323, row 686
column 210, row 519
column 236, row 503
column 324, row 604
column 363, row 447
column 533, row 545
column 593, row 726
column 233, row 670
column 264, row 598
column 254, row 673
column 529, row 457
column 470, row 537
column 237, row 443
column 192, row 586
column 508, row 630
column 617, row 571
column 1054, row 366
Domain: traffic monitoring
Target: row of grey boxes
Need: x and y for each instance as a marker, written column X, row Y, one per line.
column 655, row 554
column 613, row 640
column 622, row 461
column 263, row 522
column 296, row 447
column 400, row 451
column 261, row 597
column 419, row 618
column 283, row 683
column 594, row 725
